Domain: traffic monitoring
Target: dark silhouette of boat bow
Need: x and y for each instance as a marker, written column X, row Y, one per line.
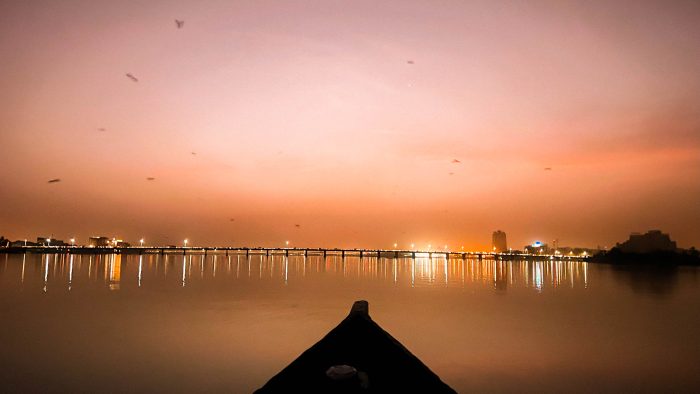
column 357, row 356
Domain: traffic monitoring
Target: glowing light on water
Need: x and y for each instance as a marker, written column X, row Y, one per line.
column 184, row 269
column 140, row 269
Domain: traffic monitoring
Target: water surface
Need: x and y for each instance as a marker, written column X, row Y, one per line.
column 173, row 323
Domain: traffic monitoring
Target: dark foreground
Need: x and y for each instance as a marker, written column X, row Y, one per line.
column 382, row 363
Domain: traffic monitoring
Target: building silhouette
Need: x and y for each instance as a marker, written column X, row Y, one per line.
column 537, row 248
column 498, row 241
column 651, row 241
column 48, row 241
column 98, row 242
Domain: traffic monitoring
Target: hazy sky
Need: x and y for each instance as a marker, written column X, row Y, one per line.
column 344, row 117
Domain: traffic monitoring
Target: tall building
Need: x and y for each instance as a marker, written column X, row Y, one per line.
column 498, row 241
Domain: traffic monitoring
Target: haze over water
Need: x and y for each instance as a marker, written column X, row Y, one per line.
column 227, row 323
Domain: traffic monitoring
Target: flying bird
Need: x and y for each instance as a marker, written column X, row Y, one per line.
column 101, row 129
column 452, row 173
column 150, row 178
column 548, row 168
column 456, row 161
column 132, row 77
column 410, row 62
column 297, row 225
column 55, row 180
column 194, row 153
column 232, row 220
column 179, row 23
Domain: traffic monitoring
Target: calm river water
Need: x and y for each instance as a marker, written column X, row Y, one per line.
column 88, row 323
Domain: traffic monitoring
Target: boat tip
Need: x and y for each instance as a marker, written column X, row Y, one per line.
column 360, row 307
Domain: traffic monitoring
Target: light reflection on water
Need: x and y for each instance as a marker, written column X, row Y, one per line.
column 227, row 323
column 115, row 271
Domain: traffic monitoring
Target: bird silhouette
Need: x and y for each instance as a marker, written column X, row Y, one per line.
column 297, row 225
column 150, row 178
column 194, row 153
column 132, row 77
column 55, row 180
column 179, row 23
column 548, row 168
column 456, row 161
column 410, row 62
column 232, row 220
column 101, row 129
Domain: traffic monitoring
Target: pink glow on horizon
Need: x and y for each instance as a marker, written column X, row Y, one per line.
column 310, row 113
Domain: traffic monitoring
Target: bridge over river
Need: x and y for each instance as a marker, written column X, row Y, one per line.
column 247, row 251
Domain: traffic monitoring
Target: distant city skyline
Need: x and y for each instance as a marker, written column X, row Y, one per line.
column 358, row 124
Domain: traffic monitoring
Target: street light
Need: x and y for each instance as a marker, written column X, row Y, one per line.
column 286, row 243
column 72, row 242
column 413, row 246
column 395, row 245
column 185, row 242
column 48, row 241
column 141, row 241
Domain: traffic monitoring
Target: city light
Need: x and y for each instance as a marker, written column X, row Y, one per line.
column 413, row 246
column 186, row 242
column 395, row 245
column 286, row 243
column 141, row 241
column 72, row 242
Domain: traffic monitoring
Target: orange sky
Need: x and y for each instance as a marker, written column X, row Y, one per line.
column 310, row 113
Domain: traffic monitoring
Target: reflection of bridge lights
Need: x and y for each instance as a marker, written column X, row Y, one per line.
column 421, row 268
